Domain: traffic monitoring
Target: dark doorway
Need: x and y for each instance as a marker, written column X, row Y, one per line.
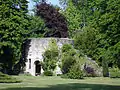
column 37, row 68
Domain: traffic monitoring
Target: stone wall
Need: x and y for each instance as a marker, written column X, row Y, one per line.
column 37, row 48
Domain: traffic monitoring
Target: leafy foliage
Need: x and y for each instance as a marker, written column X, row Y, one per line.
column 13, row 17
column 114, row 73
column 75, row 72
column 15, row 26
column 73, row 16
column 93, row 24
column 55, row 21
column 67, row 62
column 36, row 27
column 100, row 33
column 105, row 68
column 50, row 56
column 68, row 58
column 70, row 63
column 85, row 41
column 48, row 73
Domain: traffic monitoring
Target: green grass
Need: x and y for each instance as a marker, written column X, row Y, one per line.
column 4, row 78
column 57, row 83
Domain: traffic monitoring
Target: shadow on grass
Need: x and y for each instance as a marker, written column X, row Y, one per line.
column 71, row 86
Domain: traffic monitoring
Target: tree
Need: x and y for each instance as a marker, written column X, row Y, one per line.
column 51, row 56
column 13, row 26
column 68, row 58
column 109, row 32
column 102, row 17
column 85, row 41
column 36, row 27
column 73, row 16
column 54, row 21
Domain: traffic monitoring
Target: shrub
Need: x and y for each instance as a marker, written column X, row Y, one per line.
column 75, row 75
column 75, row 72
column 114, row 73
column 48, row 73
column 67, row 62
column 68, row 58
column 66, row 48
column 105, row 68
column 8, row 79
column 50, row 56
column 59, row 74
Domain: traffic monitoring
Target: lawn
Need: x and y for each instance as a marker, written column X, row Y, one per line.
column 57, row 83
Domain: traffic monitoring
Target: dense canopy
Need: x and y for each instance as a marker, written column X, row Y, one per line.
column 54, row 20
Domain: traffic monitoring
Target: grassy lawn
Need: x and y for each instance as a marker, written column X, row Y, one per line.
column 57, row 83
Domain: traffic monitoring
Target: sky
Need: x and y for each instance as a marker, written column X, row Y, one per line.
column 31, row 4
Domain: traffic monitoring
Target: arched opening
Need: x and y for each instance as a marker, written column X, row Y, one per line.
column 37, row 68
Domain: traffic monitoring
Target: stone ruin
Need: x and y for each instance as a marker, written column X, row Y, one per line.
column 34, row 51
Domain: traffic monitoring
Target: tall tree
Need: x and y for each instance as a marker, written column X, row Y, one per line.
column 73, row 16
column 54, row 21
column 109, row 22
column 103, row 17
column 13, row 25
